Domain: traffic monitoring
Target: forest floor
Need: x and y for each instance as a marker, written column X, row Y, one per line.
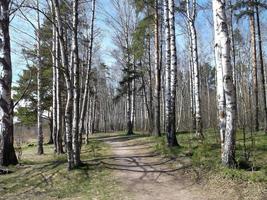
column 144, row 173
column 137, row 167
column 46, row 177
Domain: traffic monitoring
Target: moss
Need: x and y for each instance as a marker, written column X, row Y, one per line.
column 205, row 155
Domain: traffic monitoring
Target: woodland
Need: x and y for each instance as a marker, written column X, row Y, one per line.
column 133, row 99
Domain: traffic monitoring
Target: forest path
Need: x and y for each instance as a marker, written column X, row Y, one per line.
column 144, row 175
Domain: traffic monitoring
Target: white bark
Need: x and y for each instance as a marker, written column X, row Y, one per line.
column 223, row 40
column 76, row 141
column 167, row 63
column 157, row 74
column 64, row 61
column 191, row 16
column 86, row 91
column 7, row 152
column 172, row 71
column 58, row 100
column 219, row 77
column 54, row 104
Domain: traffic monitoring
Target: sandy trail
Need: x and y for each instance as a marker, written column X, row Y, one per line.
column 143, row 175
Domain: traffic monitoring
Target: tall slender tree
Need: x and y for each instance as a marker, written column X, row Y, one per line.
column 69, row 85
column 171, row 71
column 157, row 73
column 253, row 44
column 7, row 151
column 262, row 73
column 223, row 48
column 40, row 148
column 54, row 89
column 87, row 75
column 191, row 17
column 75, row 65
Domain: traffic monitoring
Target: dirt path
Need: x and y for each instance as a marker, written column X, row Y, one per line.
column 143, row 175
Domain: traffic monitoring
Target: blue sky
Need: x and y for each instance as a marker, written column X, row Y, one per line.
column 19, row 40
column 22, row 34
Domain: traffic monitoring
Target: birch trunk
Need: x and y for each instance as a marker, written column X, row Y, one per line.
column 86, row 91
column 171, row 71
column 167, row 69
column 133, row 111
column 7, row 152
column 58, row 100
column 157, row 74
column 150, row 110
column 219, row 76
column 40, row 139
column 222, row 37
column 129, row 91
column 54, row 103
column 191, row 15
column 129, row 110
column 76, row 142
column 68, row 110
column 89, row 119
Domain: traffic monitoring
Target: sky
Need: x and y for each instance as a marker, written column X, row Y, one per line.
column 22, row 34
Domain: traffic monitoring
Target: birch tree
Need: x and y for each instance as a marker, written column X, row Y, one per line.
column 87, row 76
column 191, row 16
column 171, row 69
column 75, row 65
column 227, row 106
column 69, row 85
column 157, row 73
column 57, row 100
column 54, row 87
column 7, row 152
column 40, row 149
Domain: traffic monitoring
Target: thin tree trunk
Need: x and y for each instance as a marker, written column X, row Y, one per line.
column 157, row 74
column 191, row 15
column 86, row 91
column 76, row 143
column 254, row 64
column 50, row 123
column 7, row 152
column 262, row 74
column 54, row 104
column 89, row 119
column 150, row 112
column 172, row 71
column 40, row 148
column 129, row 110
column 59, row 100
column 68, row 110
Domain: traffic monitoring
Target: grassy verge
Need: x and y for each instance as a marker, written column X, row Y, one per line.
column 205, row 155
column 46, row 177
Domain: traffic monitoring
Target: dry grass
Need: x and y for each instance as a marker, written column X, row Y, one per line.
column 46, row 177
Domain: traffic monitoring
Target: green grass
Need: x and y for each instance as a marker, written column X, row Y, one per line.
column 46, row 176
column 205, row 155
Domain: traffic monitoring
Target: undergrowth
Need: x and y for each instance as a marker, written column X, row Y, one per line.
column 46, row 176
column 205, row 154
